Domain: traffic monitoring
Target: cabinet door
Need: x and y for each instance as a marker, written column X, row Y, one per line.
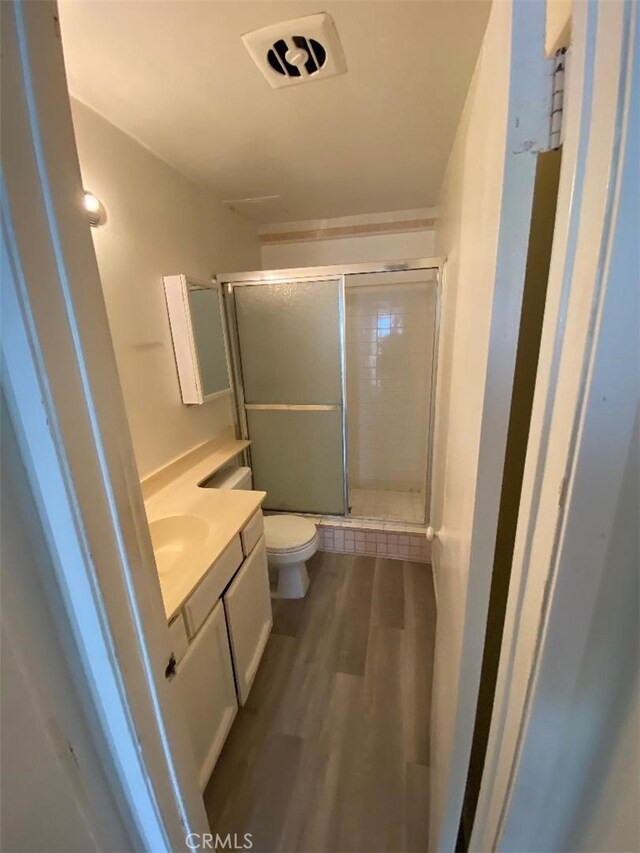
column 201, row 601
column 248, row 606
column 204, row 680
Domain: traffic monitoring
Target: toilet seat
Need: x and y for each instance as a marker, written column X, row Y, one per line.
column 287, row 534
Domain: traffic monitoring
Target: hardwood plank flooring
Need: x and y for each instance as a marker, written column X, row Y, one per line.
column 331, row 752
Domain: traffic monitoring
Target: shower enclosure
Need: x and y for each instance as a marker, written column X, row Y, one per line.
column 334, row 369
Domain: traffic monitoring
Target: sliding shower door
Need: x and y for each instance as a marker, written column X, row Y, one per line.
column 292, row 363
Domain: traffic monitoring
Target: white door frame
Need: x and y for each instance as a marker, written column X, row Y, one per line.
column 64, row 400
column 584, row 410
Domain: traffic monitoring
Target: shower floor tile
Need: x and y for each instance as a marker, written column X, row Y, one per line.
column 388, row 505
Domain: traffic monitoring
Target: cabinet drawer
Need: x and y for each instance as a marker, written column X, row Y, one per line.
column 247, row 604
column 204, row 684
column 204, row 598
column 178, row 634
column 251, row 532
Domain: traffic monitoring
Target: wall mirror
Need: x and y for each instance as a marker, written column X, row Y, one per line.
column 196, row 317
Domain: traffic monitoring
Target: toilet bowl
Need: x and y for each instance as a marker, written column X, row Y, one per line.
column 291, row 540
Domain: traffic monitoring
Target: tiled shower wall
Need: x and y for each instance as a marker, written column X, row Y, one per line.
column 389, row 335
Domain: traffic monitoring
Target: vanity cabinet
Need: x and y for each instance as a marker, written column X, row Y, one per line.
column 179, row 638
column 218, row 638
column 247, row 604
column 251, row 533
column 204, row 681
column 203, row 598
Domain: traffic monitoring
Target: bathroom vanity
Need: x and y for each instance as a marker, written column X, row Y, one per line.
column 212, row 564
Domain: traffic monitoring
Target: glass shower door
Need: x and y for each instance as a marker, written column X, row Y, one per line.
column 291, row 354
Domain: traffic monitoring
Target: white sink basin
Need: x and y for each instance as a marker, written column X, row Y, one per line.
column 174, row 537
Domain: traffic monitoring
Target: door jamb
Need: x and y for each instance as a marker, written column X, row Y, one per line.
column 64, row 400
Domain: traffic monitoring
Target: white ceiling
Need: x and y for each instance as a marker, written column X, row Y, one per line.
column 175, row 75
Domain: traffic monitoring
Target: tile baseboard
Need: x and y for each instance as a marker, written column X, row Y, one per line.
column 375, row 542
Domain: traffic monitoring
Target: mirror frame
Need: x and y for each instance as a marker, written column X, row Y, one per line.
column 176, row 290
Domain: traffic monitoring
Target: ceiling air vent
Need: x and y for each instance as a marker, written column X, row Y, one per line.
column 297, row 51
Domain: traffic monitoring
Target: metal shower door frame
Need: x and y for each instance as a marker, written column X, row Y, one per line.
column 230, row 281
column 420, row 265
column 428, row 481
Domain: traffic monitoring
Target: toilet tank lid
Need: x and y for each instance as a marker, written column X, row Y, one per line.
column 285, row 532
column 233, row 477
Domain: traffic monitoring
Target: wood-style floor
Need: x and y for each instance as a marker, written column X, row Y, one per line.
column 331, row 752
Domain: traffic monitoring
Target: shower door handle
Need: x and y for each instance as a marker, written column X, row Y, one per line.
column 294, row 407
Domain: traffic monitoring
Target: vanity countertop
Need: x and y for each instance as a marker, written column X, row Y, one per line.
column 225, row 511
column 199, row 463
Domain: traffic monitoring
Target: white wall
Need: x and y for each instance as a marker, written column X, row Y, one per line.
column 469, row 205
column 350, row 250
column 558, row 28
column 55, row 792
column 158, row 223
column 485, row 208
column 609, row 820
column 596, row 807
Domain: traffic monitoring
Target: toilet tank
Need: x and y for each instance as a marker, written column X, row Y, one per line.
column 236, row 477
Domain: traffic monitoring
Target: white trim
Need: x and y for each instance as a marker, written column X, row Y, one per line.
column 392, row 216
column 176, row 291
column 184, row 347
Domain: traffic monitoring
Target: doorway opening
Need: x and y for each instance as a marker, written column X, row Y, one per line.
column 543, row 214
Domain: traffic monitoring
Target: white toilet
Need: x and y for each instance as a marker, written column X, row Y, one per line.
column 291, row 540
